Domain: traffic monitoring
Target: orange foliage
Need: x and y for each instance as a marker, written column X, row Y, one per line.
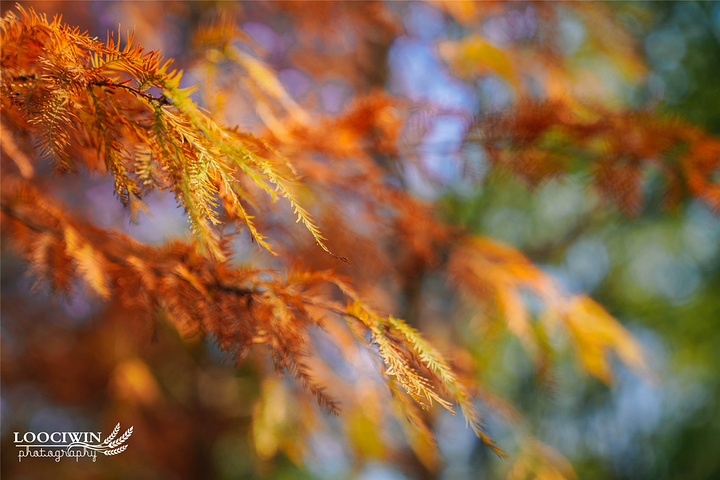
column 119, row 111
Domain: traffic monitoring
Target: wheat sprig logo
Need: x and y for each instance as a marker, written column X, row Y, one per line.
column 111, row 445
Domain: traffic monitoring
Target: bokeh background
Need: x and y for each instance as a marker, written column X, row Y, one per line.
column 74, row 363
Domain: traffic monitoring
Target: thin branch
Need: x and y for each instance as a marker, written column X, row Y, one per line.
column 161, row 100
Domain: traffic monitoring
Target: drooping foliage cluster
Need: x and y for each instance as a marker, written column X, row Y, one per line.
column 346, row 237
